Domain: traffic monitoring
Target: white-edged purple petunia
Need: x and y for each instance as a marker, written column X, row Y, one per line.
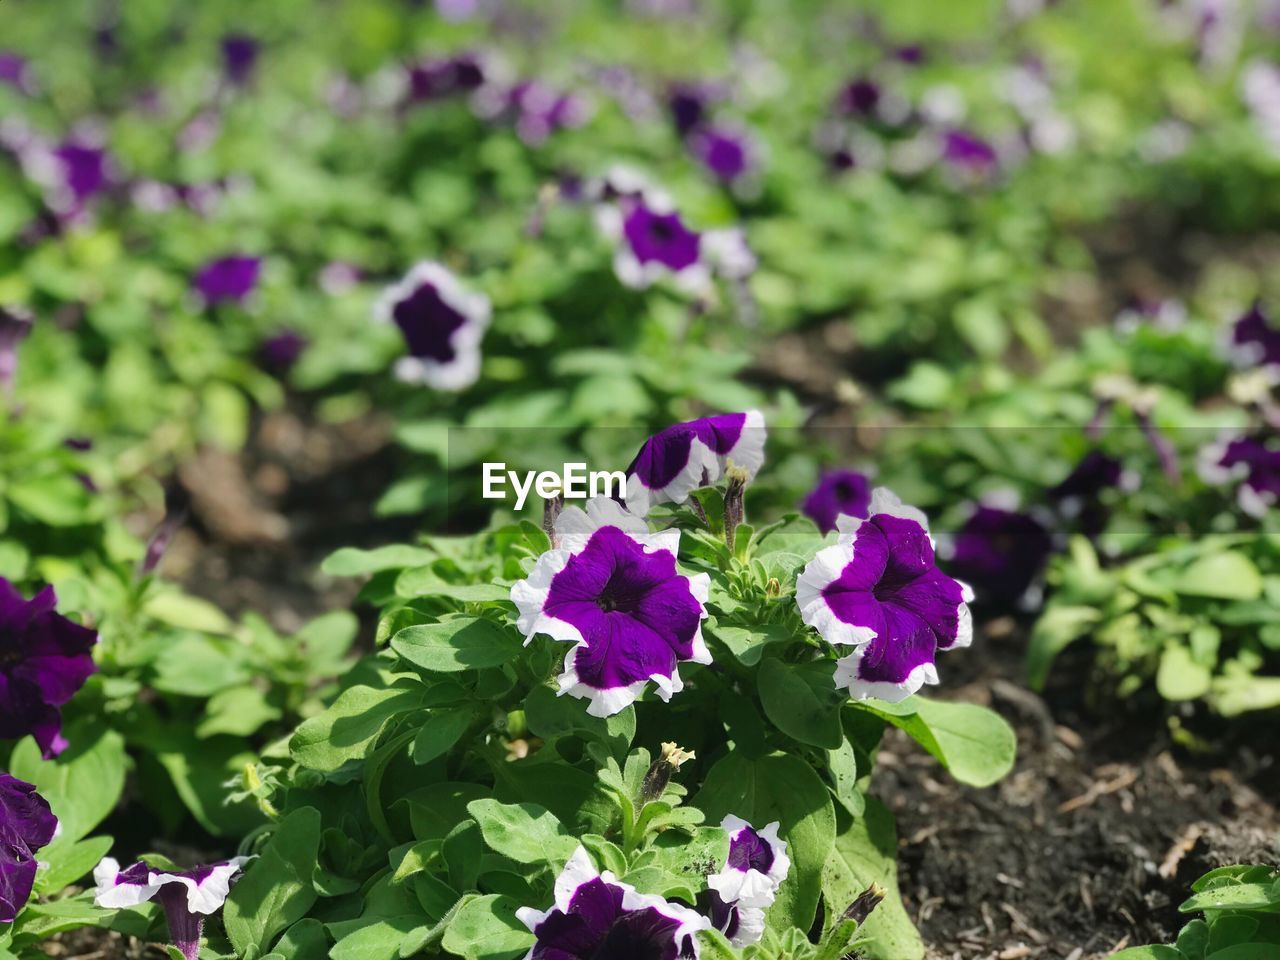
column 879, row 590
column 1250, row 462
column 685, row 456
column 187, row 896
column 756, row 866
column 597, row 916
column 837, row 493
column 442, row 323
column 611, row 588
column 741, row 925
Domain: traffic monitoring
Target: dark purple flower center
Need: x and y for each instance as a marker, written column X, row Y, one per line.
column 428, row 324
column 750, row 851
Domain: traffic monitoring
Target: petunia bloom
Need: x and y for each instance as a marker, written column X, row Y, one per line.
column 879, row 591
column 239, row 57
column 612, row 589
column 968, row 153
column 72, row 173
column 597, row 916
column 756, row 866
column 26, row 825
column 15, row 71
column 44, row 659
column 442, row 323
column 685, row 456
column 838, row 492
column 187, row 896
column 741, row 925
column 279, row 351
column 656, row 243
column 432, row 80
column 1252, row 463
column 1001, row 552
column 728, row 154
column 1255, row 340
column 228, row 280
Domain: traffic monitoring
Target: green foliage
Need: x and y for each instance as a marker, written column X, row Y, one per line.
column 1241, row 918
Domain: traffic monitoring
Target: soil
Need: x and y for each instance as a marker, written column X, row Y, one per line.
column 261, row 521
column 1093, row 840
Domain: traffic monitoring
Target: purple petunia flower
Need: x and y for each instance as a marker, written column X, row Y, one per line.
column 741, row 925
column 728, row 154
column 15, row 324
column 1253, row 463
column 653, row 243
column 432, row 80
column 442, row 323
column 756, row 867
column 239, row 57
column 685, row 456
column 44, row 659
column 71, row 174
column 1001, row 552
column 879, row 590
column 858, row 98
column 15, row 71
column 597, row 916
column 690, row 104
column 969, row 154
column 281, row 350
column 1096, row 472
column 1254, row 340
column 611, row 588
column 838, row 492
column 536, row 108
column 228, row 279
column 26, row 825
column 187, row 896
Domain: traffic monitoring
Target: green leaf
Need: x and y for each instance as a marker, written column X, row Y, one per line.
column 1149, row 953
column 784, row 788
column 276, row 888
column 380, row 940
column 802, row 701
column 1226, row 576
column 550, row 716
column 68, row 862
column 1234, row 896
column 525, row 832
column 351, row 562
column 440, row 731
column 1180, row 677
column 486, row 928
column 975, row 744
column 1057, row 628
column 188, row 613
column 351, row 725
column 748, row 644
column 865, row 852
column 236, row 711
column 460, row 643
column 83, row 784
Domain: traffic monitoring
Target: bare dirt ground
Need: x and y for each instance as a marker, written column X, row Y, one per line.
column 1090, row 844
